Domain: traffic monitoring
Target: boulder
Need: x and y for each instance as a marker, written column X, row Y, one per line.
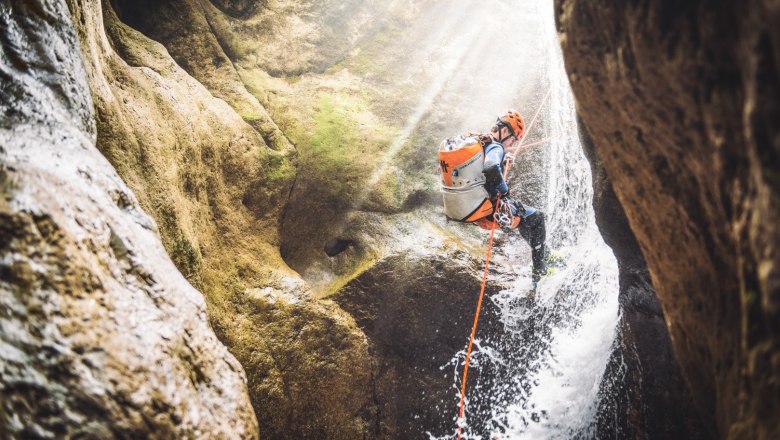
column 416, row 305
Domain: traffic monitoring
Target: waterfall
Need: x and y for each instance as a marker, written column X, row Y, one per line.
column 541, row 377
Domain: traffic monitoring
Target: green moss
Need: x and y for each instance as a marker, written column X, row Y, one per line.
column 366, row 62
column 750, row 298
column 252, row 116
column 258, row 83
column 334, row 129
column 249, row 116
column 279, row 170
column 187, row 259
column 336, row 286
column 335, row 158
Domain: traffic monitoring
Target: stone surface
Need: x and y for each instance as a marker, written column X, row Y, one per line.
column 213, row 170
column 196, row 35
column 332, row 140
column 292, row 37
column 416, row 306
column 643, row 394
column 288, row 37
column 681, row 102
column 186, row 120
column 308, row 365
column 101, row 336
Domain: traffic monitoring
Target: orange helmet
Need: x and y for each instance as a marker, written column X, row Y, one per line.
column 512, row 120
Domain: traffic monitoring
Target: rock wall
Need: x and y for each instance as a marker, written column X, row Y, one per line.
column 288, row 37
column 214, row 171
column 643, row 393
column 331, row 139
column 292, row 37
column 417, row 308
column 101, row 336
column 681, row 102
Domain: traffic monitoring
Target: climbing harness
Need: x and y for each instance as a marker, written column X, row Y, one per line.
column 504, row 216
column 484, row 275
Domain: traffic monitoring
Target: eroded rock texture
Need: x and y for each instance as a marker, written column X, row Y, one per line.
column 643, row 394
column 211, row 167
column 101, row 336
column 288, row 37
column 681, row 100
column 417, row 311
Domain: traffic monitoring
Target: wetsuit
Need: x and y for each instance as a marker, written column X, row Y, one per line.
column 532, row 224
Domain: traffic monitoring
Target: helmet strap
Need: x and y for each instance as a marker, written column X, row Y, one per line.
column 501, row 124
column 511, row 134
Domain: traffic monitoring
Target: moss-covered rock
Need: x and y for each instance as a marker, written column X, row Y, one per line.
column 101, row 336
column 216, row 178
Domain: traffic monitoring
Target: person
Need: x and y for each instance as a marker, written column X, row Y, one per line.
column 511, row 214
column 473, row 198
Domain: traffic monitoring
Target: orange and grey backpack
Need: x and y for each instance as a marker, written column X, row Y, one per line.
column 463, row 184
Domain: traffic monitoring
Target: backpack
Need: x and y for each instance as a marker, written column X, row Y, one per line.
column 461, row 160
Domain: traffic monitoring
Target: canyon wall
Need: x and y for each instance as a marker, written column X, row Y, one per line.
column 681, row 102
column 215, row 172
column 101, row 335
column 219, row 175
column 643, row 393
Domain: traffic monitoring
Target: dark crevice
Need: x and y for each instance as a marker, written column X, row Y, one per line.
column 336, row 246
column 377, row 403
column 240, row 9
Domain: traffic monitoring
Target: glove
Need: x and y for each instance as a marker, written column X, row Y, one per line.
column 494, row 180
column 519, row 208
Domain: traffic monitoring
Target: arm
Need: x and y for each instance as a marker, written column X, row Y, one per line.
column 494, row 173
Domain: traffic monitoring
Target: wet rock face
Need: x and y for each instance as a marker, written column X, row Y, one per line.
column 680, row 99
column 309, row 368
column 101, row 335
column 213, row 175
column 238, row 8
column 417, row 311
column 294, row 37
column 643, row 394
column 283, row 37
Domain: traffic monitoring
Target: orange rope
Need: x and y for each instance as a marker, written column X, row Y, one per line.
column 484, row 276
column 541, row 141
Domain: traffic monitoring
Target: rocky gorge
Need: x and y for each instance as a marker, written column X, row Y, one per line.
column 220, row 218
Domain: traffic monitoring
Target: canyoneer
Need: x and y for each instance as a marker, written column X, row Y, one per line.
column 475, row 191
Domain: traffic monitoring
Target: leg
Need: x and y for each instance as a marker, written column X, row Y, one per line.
column 532, row 228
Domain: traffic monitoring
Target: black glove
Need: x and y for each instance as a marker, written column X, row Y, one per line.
column 518, row 207
column 493, row 178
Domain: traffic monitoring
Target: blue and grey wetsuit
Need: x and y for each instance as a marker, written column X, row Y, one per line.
column 532, row 227
column 494, row 174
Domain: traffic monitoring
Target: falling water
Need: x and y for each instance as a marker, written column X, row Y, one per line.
column 540, row 378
